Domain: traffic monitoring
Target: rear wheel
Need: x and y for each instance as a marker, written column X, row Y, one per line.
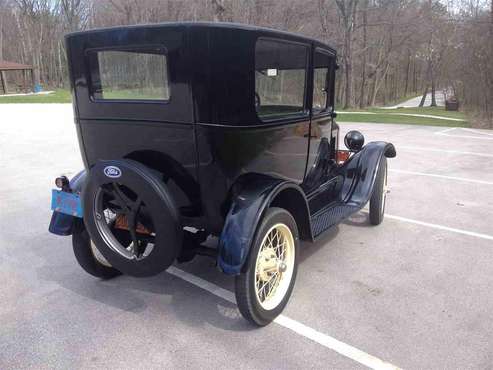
column 263, row 290
column 89, row 257
column 379, row 195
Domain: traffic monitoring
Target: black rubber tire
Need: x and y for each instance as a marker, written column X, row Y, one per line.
column 81, row 244
column 244, row 283
column 377, row 210
column 160, row 205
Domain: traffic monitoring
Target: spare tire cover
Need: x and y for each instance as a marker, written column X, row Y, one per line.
column 159, row 205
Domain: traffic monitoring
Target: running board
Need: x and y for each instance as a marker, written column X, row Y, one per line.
column 331, row 216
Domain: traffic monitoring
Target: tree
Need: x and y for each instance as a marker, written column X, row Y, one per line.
column 347, row 10
column 219, row 10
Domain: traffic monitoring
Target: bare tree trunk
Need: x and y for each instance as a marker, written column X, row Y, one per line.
column 371, row 92
column 3, row 81
column 385, row 83
column 347, row 10
column 219, row 10
column 408, row 71
column 348, row 70
column 415, row 78
column 1, row 36
column 423, row 99
column 363, row 62
column 429, row 72
column 379, row 80
column 433, row 93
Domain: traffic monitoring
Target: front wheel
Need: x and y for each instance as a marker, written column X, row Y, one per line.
column 379, row 195
column 264, row 288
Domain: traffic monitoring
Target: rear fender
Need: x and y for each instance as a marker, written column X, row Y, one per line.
column 360, row 172
column 62, row 224
column 252, row 195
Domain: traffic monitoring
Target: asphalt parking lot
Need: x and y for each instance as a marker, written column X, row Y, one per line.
column 414, row 292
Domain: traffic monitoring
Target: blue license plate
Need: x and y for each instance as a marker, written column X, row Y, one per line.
column 68, row 203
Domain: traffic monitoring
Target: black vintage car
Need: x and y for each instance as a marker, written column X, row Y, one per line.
column 198, row 130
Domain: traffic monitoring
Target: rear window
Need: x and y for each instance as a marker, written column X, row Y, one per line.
column 280, row 78
column 129, row 74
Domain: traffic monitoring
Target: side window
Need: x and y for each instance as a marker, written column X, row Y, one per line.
column 280, row 78
column 321, row 78
column 140, row 74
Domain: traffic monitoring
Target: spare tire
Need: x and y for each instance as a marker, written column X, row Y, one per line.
column 132, row 197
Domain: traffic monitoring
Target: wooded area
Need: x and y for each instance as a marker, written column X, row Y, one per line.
column 388, row 49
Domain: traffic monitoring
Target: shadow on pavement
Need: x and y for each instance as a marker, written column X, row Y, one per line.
column 162, row 296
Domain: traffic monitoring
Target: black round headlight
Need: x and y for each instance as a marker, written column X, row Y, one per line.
column 354, row 140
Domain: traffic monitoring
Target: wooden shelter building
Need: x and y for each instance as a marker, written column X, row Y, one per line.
column 10, row 67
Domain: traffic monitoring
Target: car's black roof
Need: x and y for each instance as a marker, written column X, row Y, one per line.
column 217, row 25
column 210, row 65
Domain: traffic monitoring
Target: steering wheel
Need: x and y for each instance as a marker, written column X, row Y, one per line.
column 257, row 100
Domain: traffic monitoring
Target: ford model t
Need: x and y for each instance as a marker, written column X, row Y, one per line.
column 197, row 130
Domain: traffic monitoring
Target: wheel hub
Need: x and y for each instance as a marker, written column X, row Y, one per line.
column 268, row 264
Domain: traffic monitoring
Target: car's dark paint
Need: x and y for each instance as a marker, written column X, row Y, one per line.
column 225, row 153
column 360, row 171
column 252, row 195
column 351, row 183
column 222, row 164
column 168, row 148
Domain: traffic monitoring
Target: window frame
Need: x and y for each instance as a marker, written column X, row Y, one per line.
column 91, row 56
column 328, row 107
column 305, row 112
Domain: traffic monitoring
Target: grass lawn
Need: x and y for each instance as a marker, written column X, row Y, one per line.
column 394, row 116
column 59, row 96
column 379, row 115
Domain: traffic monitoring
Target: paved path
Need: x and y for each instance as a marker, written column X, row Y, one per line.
column 410, row 115
column 414, row 102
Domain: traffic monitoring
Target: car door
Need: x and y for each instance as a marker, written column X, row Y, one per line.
column 281, row 100
column 321, row 118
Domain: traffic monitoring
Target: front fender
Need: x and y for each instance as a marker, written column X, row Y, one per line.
column 62, row 224
column 361, row 170
column 253, row 195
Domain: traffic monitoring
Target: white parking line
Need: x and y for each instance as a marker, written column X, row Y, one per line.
column 446, row 133
column 295, row 326
column 425, row 149
column 441, row 227
column 442, row 176
column 477, row 131
column 446, row 130
column 468, row 137
column 443, row 132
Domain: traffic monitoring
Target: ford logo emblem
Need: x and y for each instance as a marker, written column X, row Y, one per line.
column 112, row 171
